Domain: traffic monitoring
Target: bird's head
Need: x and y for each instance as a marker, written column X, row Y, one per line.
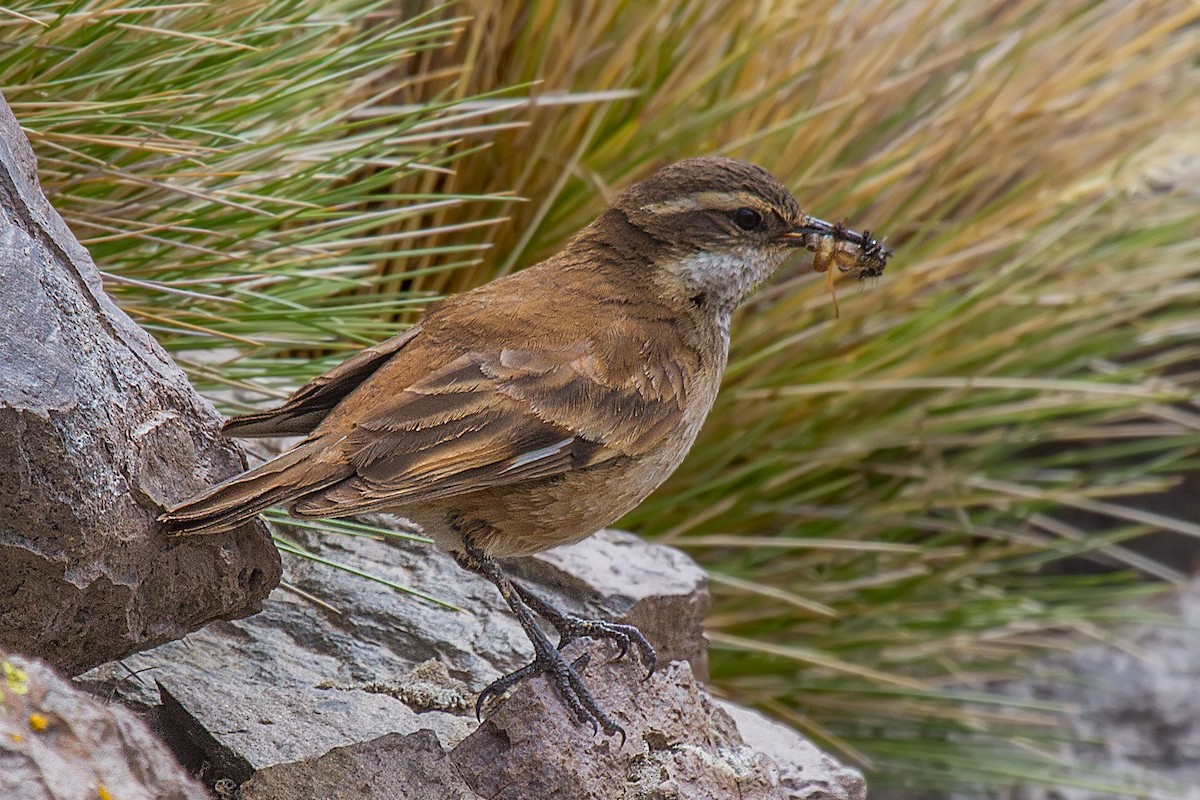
column 716, row 228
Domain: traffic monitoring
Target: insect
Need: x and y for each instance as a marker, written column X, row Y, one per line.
column 850, row 251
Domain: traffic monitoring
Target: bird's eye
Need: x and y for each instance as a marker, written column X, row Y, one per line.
column 748, row 219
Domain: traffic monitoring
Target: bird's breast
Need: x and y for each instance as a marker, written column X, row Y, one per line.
column 527, row 518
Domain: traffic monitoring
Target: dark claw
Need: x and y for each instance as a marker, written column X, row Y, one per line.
column 595, row 712
column 571, row 627
column 651, row 657
column 502, row 685
column 622, row 646
column 610, row 727
column 483, row 696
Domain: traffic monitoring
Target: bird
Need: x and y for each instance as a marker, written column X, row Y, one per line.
column 536, row 409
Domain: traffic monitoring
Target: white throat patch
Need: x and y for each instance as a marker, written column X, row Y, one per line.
column 725, row 279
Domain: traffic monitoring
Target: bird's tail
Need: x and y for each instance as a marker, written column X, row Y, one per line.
column 281, row 480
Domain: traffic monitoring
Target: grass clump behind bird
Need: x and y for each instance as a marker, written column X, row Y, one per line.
column 875, row 495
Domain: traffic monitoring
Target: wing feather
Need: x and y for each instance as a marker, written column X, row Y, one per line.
column 502, row 417
column 309, row 405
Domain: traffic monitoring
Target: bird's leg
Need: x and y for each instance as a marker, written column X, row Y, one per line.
column 571, row 627
column 547, row 658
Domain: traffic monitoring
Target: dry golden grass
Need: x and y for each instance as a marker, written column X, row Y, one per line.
column 867, row 492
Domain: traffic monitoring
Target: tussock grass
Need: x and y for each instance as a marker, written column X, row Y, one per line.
column 875, row 495
column 1027, row 351
column 215, row 160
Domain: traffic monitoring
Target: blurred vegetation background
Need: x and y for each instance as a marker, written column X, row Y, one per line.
column 268, row 185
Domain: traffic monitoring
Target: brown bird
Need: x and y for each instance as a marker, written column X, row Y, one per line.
column 535, row 410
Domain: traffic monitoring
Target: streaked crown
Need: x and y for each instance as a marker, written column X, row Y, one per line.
column 704, row 200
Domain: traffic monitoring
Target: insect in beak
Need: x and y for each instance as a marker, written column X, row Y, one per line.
column 834, row 244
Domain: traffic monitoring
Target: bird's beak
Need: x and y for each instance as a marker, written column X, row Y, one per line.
column 807, row 230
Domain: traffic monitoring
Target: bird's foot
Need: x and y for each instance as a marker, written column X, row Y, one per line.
column 548, row 659
column 567, row 679
column 571, row 627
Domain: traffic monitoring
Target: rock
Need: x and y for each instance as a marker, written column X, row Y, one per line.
column 300, row 679
column 324, row 691
column 681, row 745
column 392, row 767
column 1133, row 712
column 804, row 770
column 99, row 429
column 58, row 743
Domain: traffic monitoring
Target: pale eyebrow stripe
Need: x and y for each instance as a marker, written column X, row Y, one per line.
column 726, row 201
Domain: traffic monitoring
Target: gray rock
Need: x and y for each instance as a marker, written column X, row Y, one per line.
column 392, row 767
column 58, row 743
column 98, row 430
column 1133, row 709
column 300, row 679
column 804, row 771
column 681, row 745
column 312, row 695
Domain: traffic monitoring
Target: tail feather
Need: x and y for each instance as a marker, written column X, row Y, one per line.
column 242, row 497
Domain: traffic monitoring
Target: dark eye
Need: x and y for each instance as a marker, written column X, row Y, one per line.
column 748, row 219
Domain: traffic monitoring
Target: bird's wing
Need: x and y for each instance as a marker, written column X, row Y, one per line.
column 309, row 405
column 501, row 417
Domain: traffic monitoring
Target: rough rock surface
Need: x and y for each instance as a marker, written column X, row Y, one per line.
column 335, row 691
column 804, row 771
column 98, row 430
column 392, row 767
column 301, row 678
column 681, row 746
column 58, row 743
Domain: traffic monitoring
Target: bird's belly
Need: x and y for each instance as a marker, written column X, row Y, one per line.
column 526, row 518
column 523, row 519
